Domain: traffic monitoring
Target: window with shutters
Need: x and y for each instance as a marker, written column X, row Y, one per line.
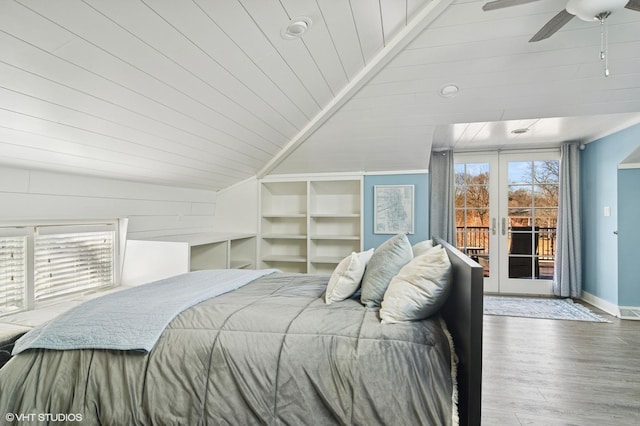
column 53, row 262
column 12, row 273
column 72, row 261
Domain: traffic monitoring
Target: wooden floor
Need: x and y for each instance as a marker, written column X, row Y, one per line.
column 555, row 372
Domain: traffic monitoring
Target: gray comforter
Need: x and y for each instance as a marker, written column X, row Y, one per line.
column 270, row 352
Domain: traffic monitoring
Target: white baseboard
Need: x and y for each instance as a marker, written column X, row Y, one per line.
column 622, row 312
column 608, row 307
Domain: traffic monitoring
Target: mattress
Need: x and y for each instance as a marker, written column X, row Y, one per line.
column 271, row 352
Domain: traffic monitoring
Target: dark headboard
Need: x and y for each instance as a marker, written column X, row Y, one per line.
column 463, row 315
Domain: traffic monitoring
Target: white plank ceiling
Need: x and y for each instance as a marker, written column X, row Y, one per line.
column 206, row 93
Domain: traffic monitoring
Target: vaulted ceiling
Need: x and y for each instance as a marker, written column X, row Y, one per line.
column 206, row 93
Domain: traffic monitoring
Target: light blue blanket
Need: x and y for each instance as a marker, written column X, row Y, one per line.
column 133, row 319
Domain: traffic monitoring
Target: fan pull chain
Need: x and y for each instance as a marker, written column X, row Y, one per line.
column 604, row 42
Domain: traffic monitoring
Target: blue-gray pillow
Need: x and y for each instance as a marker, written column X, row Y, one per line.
column 386, row 262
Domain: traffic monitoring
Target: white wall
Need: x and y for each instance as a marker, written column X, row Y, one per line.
column 32, row 195
column 237, row 208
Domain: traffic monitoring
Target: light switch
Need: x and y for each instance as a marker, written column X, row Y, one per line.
column 607, row 211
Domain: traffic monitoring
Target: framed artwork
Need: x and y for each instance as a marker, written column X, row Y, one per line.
column 393, row 209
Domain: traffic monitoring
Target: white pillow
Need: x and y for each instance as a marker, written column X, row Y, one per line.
column 420, row 288
column 422, row 247
column 346, row 278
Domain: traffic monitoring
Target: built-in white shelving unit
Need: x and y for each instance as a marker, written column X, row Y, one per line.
column 309, row 225
column 164, row 256
column 219, row 251
column 283, row 225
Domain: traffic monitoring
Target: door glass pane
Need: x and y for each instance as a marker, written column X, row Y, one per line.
column 533, row 212
column 460, row 196
column 520, row 172
column 472, row 211
column 547, row 171
column 478, row 172
column 520, row 196
column 520, row 216
column 546, row 195
column 546, row 251
column 546, row 217
column 522, row 252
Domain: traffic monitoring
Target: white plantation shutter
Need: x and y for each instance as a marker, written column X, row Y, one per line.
column 70, row 260
column 12, row 273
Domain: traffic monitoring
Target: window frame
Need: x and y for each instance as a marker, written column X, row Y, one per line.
column 9, row 233
column 30, row 230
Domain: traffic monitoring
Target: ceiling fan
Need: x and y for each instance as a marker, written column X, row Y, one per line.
column 587, row 10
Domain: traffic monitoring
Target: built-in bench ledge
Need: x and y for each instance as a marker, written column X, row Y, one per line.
column 159, row 257
column 9, row 333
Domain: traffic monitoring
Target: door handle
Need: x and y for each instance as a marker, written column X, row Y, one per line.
column 504, row 226
column 493, row 226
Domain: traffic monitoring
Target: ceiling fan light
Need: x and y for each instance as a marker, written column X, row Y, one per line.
column 588, row 10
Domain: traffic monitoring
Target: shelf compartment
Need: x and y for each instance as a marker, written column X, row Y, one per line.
column 284, row 237
column 285, row 266
column 284, row 199
column 284, row 225
column 285, row 258
column 284, row 250
column 335, row 225
column 209, row 256
column 334, row 216
column 321, row 267
column 332, row 249
column 336, row 237
column 330, row 260
column 242, row 253
column 285, row 216
column 335, row 197
column 241, row 264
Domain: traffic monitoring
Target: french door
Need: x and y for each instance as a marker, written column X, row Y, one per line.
column 506, row 214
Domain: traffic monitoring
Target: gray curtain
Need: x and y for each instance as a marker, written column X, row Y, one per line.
column 441, row 181
column 567, row 280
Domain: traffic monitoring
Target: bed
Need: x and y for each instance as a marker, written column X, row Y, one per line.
column 269, row 352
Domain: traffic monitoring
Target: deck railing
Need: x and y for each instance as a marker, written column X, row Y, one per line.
column 478, row 237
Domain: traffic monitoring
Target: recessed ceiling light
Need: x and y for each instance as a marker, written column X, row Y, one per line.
column 449, row 90
column 520, row 131
column 295, row 28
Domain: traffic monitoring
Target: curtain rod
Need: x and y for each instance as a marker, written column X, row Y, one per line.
column 507, row 151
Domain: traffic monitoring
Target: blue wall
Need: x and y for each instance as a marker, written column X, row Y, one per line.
column 421, row 206
column 628, row 237
column 599, row 188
